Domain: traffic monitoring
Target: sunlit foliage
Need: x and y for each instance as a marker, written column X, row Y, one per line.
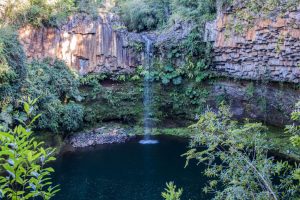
column 171, row 192
column 23, row 162
column 44, row 12
column 141, row 15
column 237, row 159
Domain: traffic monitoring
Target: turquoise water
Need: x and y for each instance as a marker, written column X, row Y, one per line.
column 129, row 171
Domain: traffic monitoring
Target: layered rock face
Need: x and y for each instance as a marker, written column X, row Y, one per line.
column 268, row 50
column 85, row 44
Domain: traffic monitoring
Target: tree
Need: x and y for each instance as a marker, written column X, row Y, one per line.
column 24, row 162
column 171, row 192
column 57, row 86
column 294, row 130
column 237, row 159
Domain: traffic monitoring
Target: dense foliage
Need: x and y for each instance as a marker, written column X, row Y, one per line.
column 44, row 12
column 57, row 88
column 122, row 101
column 237, row 157
column 294, row 129
column 24, row 172
column 237, row 160
column 50, row 80
column 12, row 65
column 141, row 15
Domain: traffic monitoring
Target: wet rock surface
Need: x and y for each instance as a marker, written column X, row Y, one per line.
column 103, row 135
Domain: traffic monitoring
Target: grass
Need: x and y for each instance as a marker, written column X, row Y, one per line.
column 181, row 132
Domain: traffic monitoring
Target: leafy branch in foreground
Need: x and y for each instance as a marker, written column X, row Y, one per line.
column 237, row 159
column 23, row 163
column 294, row 130
column 171, row 192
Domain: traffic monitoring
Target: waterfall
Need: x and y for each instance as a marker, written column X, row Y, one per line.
column 148, row 93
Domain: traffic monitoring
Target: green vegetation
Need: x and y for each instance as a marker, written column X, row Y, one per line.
column 45, row 12
column 24, row 172
column 198, row 11
column 122, row 101
column 171, row 192
column 175, row 131
column 49, row 80
column 247, row 12
column 143, row 15
column 295, row 139
column 154, row 14
column 57, row 88
column 117, row 102
column 237, row 156
column 237, row 160
column 280, row 140
column 180, row 103
column 65, row 108
column 193, row 51
column 12, row 65
column 294, row 129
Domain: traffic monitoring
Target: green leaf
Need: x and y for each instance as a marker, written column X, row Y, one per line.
column 177, row 81
column 165, row 81
column 27, row 108
column 7, row 135
column 35, row 118
column 168, row 68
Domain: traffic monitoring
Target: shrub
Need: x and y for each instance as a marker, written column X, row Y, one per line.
column 294, row 130
column 59, row 118
column 237, row 159
column 171, row 192
column 143, row 15
column 120, row 103
column 12, row 65
column 52, row 78
column 24, row 174
column 88, row 6
column 45, row 12
column 198, row 11
column 57, row 87
column 72, row 117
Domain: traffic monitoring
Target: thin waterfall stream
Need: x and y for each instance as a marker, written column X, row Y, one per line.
column 148, row 93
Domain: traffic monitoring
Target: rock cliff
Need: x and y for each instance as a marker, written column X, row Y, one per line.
column 268, row 50
column 86, row 44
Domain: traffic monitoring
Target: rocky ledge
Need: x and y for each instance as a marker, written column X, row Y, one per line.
column 98, row 136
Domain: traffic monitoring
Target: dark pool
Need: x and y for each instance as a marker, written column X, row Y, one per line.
column 129, row 171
